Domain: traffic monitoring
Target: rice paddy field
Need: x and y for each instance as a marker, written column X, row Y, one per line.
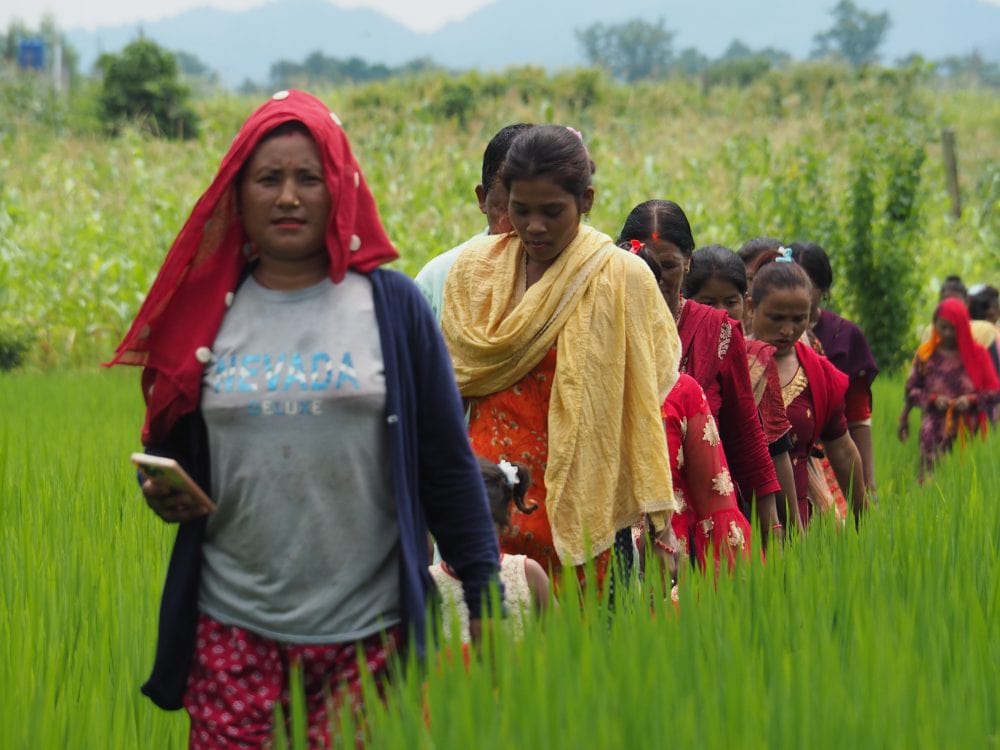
column 884, row 637
column 888, row 637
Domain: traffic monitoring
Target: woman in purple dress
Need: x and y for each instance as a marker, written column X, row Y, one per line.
column 953, row 382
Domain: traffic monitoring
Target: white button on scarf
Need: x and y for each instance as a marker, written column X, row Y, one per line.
column 355, row 243
column 333, row 116
column 203, row 354
column 229, row 299
column 279, row 95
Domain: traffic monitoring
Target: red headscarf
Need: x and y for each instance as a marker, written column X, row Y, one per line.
column 975, row 359
column 172, row 335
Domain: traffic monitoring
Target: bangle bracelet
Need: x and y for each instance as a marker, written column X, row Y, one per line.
column 776, row 526
column 664, row 546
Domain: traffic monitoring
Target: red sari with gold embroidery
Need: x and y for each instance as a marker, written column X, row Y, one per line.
column 814, row 401
column 713, row 352
column 711, row 517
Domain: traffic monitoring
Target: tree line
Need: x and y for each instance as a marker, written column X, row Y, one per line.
column 638, row 49
column 152, row 85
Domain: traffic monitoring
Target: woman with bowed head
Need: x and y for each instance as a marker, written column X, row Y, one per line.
column 713, row 352
column 844, row 344
column 823, row 489
column 308, row 392
column 953, row 382
column 718, row 278
column 564, row 350
column 812, row 388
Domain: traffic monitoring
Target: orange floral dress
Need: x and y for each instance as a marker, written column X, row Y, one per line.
column 512, row 425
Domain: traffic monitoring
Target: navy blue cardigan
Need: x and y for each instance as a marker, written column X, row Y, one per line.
column 435, row 480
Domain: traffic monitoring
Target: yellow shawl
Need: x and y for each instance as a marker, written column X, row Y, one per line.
column 618, row 355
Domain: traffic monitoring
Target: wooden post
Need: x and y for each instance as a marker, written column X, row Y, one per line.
column 951, row 170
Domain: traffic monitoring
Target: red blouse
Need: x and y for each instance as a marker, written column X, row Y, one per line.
column 814, row 400
column 713, row 352
column 697, row 463
column 711, row 516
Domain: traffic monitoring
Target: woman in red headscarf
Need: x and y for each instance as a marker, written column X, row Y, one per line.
column 953, row 382
column 309, row 393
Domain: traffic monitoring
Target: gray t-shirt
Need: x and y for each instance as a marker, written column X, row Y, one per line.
column 305, row 545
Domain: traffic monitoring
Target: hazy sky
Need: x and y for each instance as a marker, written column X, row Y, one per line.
column 420, row 15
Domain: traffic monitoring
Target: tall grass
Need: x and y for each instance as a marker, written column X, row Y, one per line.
column 889, row 637
column 885, row 638
column 81, row 559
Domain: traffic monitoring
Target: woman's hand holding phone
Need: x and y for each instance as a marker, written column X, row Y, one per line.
column 172, row 505
column 169, row 491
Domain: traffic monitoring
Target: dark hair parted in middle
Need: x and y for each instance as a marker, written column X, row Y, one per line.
column 551, row 151
column 774, row 274
column 659, row 220
column 714, row 260
column 814, row 259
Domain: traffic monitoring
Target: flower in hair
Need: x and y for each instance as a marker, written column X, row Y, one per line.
column 509, row 473
column 784, row 255
column 636, row 246
column 575, row 132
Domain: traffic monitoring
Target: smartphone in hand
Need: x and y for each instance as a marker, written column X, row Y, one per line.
column 167, row 471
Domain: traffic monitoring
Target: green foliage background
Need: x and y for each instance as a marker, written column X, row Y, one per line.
column 86, row 220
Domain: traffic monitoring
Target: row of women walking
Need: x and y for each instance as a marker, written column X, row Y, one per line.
column 582, row 384
column 539, row 300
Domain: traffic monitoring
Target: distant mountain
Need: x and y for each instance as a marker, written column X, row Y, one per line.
column 244, row 44
column 241, row 45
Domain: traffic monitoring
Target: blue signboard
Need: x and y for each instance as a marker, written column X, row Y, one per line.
column 31, row 54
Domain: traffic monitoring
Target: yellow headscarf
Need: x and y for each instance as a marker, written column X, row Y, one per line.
column 618, row 357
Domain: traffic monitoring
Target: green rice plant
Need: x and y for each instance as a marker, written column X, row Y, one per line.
column 81, row 562
column 885, row 637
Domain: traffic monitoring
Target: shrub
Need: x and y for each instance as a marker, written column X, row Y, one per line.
column 143, row 84
column 13, row 346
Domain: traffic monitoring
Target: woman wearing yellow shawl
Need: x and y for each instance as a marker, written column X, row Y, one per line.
column 565, row 350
